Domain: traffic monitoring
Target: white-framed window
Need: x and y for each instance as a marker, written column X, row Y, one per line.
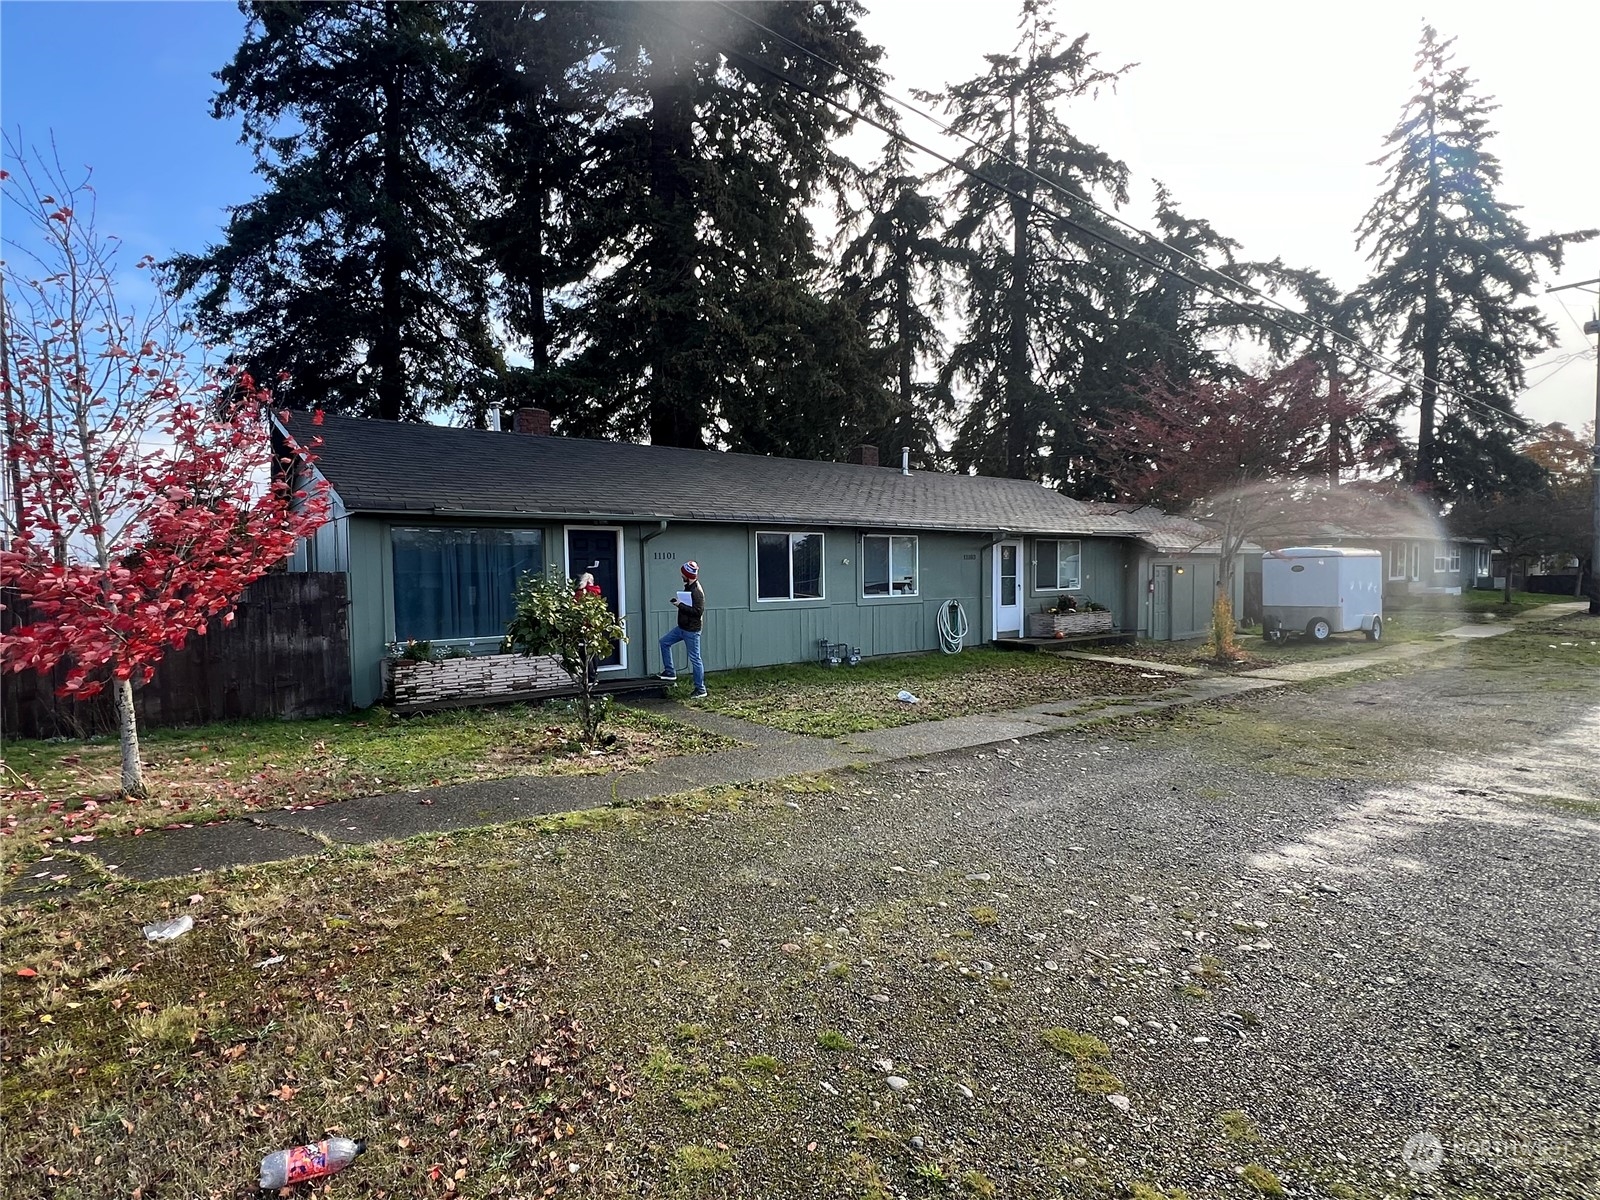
column 1057, row 565
column 1446, row 557
column 789, row 566
column 888, row 565
column 1397, row 560
column 1485, row 562
column 1455, row 558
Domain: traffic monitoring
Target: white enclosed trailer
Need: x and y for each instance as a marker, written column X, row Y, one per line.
column 1321, row 590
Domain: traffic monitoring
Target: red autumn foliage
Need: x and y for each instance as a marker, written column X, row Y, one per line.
column 164, row 540
column 141, row 492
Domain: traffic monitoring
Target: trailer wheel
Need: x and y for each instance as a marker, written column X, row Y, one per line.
column 1318, row 630
column 1272, row 629
column 1375, row 634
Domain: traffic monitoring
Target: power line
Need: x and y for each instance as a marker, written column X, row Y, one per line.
column 1358, row 352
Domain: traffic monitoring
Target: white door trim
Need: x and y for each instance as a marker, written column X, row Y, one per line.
column 994, row 607
column 622, row 581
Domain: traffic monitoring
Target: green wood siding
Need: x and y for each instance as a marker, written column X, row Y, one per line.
column 740, row 630
column 1106, row 564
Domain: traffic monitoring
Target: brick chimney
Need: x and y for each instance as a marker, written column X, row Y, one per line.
column 865, row 456
column 535, row 422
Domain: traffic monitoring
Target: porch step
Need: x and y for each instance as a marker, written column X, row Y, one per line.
column 1114, row 637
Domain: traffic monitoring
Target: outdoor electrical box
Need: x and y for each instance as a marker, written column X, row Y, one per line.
column 1321, row 590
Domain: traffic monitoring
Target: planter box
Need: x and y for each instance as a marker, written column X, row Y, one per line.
column 1048, row 624
column 485, row 676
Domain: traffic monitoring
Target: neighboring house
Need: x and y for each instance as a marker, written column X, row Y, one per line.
column 1420, row 556
column 433, row 525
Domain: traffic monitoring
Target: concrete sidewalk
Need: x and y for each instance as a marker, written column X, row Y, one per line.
column 765, row 754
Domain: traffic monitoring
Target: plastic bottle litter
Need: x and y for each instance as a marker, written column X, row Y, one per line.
column 312, row 1161
column 907, row 698
column 167, row 931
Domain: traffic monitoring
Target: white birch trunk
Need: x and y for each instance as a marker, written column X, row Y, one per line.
column 128, row 733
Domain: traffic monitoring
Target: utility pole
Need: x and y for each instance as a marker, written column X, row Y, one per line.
column 1594, row 461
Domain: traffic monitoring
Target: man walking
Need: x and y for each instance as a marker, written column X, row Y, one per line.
column 691, row 619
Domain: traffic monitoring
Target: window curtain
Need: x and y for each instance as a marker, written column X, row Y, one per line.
column 452, row 584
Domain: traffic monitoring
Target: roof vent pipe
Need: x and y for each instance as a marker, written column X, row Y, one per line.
column 494, row 420
column 905, row 460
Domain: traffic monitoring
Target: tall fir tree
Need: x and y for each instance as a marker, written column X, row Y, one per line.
column 355, row 271
column 534, row 102
column 896, row 269
column 711, row 319
column 1033, row 279
column 1454, row 272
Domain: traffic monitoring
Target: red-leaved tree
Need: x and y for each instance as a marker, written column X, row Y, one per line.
column 1243, row 457
column 141, row 492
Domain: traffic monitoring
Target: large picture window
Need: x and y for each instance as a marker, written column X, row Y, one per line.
column 1057, row 566
column 788, row 566
column 452, row 584
column 888, row 565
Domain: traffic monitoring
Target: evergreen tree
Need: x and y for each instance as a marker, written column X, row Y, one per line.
column 1454, row 273
column 896, row 270
column 1033, row 279
column 355, row 271
column 711, row 315
column 534, row 105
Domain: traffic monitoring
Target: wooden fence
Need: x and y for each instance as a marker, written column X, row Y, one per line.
column 287, row 654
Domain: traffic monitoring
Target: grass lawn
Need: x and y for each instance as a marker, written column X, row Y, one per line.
column 1485, row 601
column 829, row 701
column 65, row 791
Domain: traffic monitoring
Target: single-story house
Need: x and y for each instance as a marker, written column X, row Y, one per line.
column 1180, row 563
column 1420, row 555
column 434, row 525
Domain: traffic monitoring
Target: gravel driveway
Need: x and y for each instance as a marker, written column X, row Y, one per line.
column 1378, row 982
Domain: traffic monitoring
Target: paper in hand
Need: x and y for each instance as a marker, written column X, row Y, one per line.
column 686, row 599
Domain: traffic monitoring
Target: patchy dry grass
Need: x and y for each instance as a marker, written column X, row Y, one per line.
column 1260, row 655
column 827, row 702
column 65, row 791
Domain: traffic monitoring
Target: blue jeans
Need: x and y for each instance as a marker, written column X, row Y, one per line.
column 691, row 640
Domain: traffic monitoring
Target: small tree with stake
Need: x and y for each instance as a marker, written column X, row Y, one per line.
column 576, row 628
column 1239, row 457
column 141, row 493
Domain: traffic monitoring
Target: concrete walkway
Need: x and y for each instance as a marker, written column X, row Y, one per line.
column 764, row 754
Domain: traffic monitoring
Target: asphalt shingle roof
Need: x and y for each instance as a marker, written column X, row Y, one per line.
column 387, row 466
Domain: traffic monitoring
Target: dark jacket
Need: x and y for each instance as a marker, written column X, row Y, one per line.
column 691, row 616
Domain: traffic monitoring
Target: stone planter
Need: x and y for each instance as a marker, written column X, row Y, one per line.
column 1048, row 624
column 484, row 676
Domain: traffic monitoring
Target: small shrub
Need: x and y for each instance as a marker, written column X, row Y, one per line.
column 832, row 1039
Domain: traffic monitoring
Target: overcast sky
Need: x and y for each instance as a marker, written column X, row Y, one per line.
column 1260, row 117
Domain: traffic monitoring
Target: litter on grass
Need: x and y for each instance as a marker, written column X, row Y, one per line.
column 906, row 697
column 168, row 931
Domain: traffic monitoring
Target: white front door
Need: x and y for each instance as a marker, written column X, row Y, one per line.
column 1007, row 589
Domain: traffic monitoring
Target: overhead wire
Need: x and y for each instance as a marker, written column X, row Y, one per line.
column 1364, row 355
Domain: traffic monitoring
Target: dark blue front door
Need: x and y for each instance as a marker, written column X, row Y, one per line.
column 596, row 551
